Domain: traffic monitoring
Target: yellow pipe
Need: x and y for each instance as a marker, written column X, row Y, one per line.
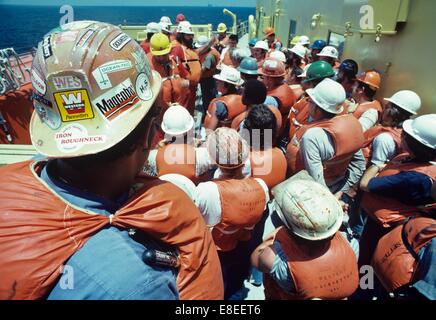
column 231, row 14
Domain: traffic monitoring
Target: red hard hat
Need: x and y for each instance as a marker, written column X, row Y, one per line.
column 273, row 68
column 180, row 17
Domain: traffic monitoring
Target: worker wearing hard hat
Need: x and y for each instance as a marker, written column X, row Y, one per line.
column 248, row 69
column 346, row 76
column 279, row 94
column 270, row 37
column 172, row 71
column 177, row 153
column 223, row 39
column 330, row 55
column 295, row 61
column 364, row 107
column 151, row 29
column 78, row 207
column 301, row 259
column 223, row 109
column 231, row 216
column 403, row 189
column 209, row 58
column 251, row 45
column 184, row 47
column 315, row 49
column 260, row 50
column 330, row 147
column 314, row 74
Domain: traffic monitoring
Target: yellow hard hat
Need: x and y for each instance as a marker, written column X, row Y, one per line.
column 92, row 85
column 295, row 40
column 160, row 44
column 221, row 28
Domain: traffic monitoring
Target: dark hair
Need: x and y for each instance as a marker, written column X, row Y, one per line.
column 421, row 152
column 370, row 93
column 398, row 115
column 254, row 92
column 234, row 37
column 149, row 35
column 260, row 117
column 295, row 72
column 123, row 148
column 231, row 88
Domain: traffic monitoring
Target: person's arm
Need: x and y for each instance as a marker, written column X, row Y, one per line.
column 217, row 113
column 383, row 149
column 263, row 256
column 369, row 174
column 315, row 147
column 355, row 170
column 368, row 119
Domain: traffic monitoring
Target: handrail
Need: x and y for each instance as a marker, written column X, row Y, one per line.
column 231, row 14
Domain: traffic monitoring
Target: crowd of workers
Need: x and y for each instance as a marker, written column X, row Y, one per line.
column 220, row 162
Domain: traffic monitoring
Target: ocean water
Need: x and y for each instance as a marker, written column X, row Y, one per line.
column 22, row 27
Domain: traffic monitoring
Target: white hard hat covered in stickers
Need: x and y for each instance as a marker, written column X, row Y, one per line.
column 92, row 85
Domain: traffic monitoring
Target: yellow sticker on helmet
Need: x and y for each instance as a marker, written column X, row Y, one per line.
column 74, row 105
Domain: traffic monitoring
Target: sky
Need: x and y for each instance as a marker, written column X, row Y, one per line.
column 222, row 3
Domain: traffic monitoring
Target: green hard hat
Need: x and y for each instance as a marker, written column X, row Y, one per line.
column 319, row 70
column 248, row 66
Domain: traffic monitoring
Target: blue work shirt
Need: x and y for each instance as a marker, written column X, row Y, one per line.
column 109, row 266
column 409, row 187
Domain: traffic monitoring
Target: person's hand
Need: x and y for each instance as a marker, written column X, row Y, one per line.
column 344, row 206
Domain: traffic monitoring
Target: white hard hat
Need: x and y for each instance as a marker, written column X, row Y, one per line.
column 153, row 27
column 422, row 129
column 304, row 74
column 165, row 26
column 182, row 182
column 406, row 100
column 201, row 41
column 166, row 20
column 261, row 45
column 185, row 27
column 329, row 96
column 308, row 208
column 299, row 50
column 278, row 55
column 329, row 51
column 304, row 40
column 177, row 120
column 230, row 75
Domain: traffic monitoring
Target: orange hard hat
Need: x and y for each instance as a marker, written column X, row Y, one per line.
column 273, row 68
column 180, row 17
column 268, row 31
column 371, row 78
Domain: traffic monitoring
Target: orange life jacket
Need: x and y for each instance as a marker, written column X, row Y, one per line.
column 298, row 116
column 286, row 98
column 172, row 90
column 236, row 123
column 395, row 260
column 193, row 65
column 239, row 215
column 347, row 136
column 363, row 107
column 40, row 231
column 269, row 165
column 373, row 133
column 179, row 159
column 234, row 105
column 389, row 212
column 145, row 45
column 316, row 273
column 209, row 73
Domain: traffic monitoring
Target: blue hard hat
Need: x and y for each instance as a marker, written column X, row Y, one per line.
column 248, row 66
column 318, row 45
column 252, row 42
column 349, row 66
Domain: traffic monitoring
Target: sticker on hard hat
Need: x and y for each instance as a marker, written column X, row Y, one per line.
column 101, row 73
column 142, row 64
column 37, row 82
column 120, row 41
column 67, row 82
column 41, row 99
column 116, row 101
column 84, row 38
column 48, row 116
column 46, row 47
column 75, row 136
column 66, row 36
column 270, row 64
column 143, row 88
column 74, row 105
